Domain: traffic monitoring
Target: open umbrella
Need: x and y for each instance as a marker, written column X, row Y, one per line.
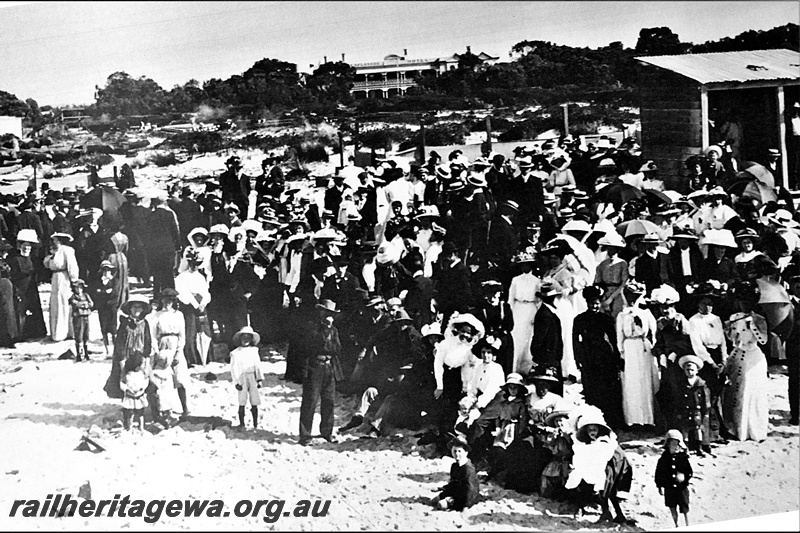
column 749, row 187
column 774, row 301
column 637, row 227
column 618, row 194
column 656, row 198
column 582, row 252
column 761, row 173
column 102, row 197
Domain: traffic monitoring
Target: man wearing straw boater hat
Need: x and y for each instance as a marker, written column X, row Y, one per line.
column 322, row 371
column 547, row 346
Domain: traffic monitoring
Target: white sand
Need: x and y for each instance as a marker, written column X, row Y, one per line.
column 46, row 406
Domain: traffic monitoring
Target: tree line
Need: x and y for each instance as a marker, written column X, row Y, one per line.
column 539, row 73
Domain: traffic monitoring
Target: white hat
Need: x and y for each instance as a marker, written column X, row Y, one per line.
column 576, row 225
column 247, row 330
column 691, row 358
column 719, row 237
column 28, row 235
column 234, row 231
column 612, row 238
column 434, row 328
column 219, row 228
column 606, row 162
column 467, row 318
column 783, row 217
column 427, row 211
column 665, row 294
column 252, row 225
column 326, row 234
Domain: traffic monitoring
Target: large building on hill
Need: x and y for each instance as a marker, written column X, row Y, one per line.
column 396, row 74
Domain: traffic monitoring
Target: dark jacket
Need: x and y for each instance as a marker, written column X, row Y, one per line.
column 162, row 236
column 653, row 272
column 668, row 466
column 675, row 266
column 503, row 242
column 547, row 346
column 453, row 289
column 319, row 346
column 463, row 487
column 499, row 411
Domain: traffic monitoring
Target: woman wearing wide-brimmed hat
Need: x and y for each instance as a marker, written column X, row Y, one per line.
column 132, row 345
column 8, row 313
column 612, row 274
column 718, row 264
column 61, row 261
column 524, row 302
column 30, row 319
column 170, row 370
column 636, row 331
column 745, row 402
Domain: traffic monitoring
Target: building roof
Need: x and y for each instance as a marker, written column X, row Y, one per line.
column 727, row 67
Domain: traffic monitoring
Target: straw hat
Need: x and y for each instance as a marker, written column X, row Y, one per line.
column 649, row 166
column 635, row 287
column 525, row 162
column 427, row 211
column 197, row 231
column 251, row 225
column 63, row 236
column 249, row 331
column 235, row 231
column 746, row 233
column 713, row 148
column 514, row 379
column 401, row 316
column 691, row 358
column 376, row 300
column 683, row 233
column 108, row 265
column 476, row 180
column 606, row 163
column 716, row 191
column 136, row 298
column 548, row 290
column 783, row 217
column 612, row 238
column 650, row 238
column 28, row 235
column 561, row 410
column 327, row 305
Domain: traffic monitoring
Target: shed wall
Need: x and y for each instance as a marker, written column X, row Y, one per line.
column 671, row 120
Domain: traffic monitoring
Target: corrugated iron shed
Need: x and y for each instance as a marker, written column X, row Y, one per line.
column 732, row 67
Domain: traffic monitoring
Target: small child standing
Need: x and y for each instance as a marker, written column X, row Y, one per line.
column 246, row 372
column 468, row 413
column 694, row 407
column 463, row 490
column 673, row 473
column 81, row 304
column 133, row 384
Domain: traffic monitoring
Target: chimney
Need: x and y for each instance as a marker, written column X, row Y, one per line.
column 405, row 52
column 325, row 58
column 342, row 57
column 469, row 49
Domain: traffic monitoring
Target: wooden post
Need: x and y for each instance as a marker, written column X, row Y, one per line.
column 422, row 140
column 341, row 150
column 704, row 117
column 782, row 135
column 566, row 119
column 356, row 140
column 488, row 134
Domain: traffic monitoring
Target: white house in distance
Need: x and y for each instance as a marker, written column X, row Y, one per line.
column 395, row 74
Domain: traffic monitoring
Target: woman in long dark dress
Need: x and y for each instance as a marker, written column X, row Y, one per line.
column 8, row 315
column 595, row 341
column 30, row 319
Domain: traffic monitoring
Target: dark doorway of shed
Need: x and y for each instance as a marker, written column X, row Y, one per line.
column 754, row 111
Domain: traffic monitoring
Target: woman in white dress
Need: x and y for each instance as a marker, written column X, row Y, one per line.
column 745, row 403
column 636, row 331
column 170, row 370
column 64, row 266
column 524, row 303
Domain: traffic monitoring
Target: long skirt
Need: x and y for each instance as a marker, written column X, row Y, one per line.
column 8, row 314
column 745, row 401
column 640, row 382
column 523, row 313
column 60, row 313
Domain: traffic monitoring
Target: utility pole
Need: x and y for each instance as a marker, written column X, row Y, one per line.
column 341, row 151
column 566, row 119
column 422, row 140
column 356, row 140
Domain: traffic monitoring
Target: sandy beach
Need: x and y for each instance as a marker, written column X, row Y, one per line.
column 47, row 405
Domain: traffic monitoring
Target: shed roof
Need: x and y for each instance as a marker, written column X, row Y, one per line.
column 725, row 67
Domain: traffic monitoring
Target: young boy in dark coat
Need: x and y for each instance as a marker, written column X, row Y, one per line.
column 673, row 473
column 694, row 406
column 463, row 490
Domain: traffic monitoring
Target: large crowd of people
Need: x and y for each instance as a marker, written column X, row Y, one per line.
column 455, row 298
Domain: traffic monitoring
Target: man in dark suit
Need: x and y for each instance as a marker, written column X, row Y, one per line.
column 495, row 313
column 163, row 241
column 235, row 185
column 527, row 190
column 651, row 266
column 503, row 240
column 334, row 194
column 420, row 294
column 683, row 264
column 451, row 281
column 547, row 346
column 189, row 213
